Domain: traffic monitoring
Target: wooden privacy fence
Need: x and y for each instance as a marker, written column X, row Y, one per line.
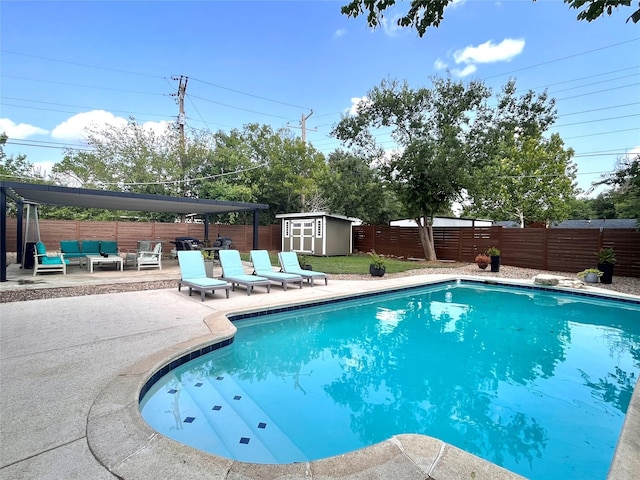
column 556, row 249
column 127, row 234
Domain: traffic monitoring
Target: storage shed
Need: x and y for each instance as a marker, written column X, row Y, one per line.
column 316, row 233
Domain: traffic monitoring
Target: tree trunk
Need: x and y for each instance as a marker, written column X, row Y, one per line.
column 425, row 229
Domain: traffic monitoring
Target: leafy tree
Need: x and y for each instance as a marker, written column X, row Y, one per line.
column 17, row 169
column 222, row 171
column 423, row 14
column 287, row 170
column 580, row 209
column 626, row 187
column 520, row 174
column 352, row 188
column 531, row 182
column 604, row 205
column 126, row 158
column 431, row 127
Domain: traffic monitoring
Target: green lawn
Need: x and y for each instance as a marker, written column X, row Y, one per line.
column 359, row 264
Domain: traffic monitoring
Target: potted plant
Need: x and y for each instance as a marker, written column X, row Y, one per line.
column 208, row 262
column 590, row 275
column 378, row 265
column 304, row 262
column 482, row 260
column 494, row 253
column 606, row 261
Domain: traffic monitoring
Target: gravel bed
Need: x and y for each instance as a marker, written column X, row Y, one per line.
column 628, row 285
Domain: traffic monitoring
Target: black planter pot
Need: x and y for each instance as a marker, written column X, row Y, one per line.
column 376, row 272
column 495, row 263
column 607, row 272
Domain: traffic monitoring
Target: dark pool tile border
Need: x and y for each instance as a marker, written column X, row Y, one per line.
column 291, row 308
column 177, row 362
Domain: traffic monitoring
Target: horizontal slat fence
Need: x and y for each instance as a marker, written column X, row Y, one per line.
column 127, row 234
column 554, row 249
column 559, row 249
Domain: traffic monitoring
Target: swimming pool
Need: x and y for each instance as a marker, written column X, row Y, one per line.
column 503, row 399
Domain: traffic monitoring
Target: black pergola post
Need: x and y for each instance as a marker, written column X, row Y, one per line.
column 3, row 235
column 256, row 225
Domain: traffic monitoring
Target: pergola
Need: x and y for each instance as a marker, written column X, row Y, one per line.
column 33, row 193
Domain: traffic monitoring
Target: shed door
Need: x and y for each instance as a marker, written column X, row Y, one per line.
column 302, row 236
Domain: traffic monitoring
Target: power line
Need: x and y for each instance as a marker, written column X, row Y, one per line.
column 249, row 94
column 597, row 120
column 238, row 108
column 84, row 107
column 66, row 84
column 80, row 64
column 563, row 58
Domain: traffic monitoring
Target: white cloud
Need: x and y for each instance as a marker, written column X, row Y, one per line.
column 21, row 130
column 439, row 64
column 390, row 25
column 489, row 52
column 339, row 33
column 75, row 128
column 355, row 104
column 468, row 70
column 158, row 128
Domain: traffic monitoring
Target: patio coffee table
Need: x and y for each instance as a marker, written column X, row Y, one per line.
column 99, row 259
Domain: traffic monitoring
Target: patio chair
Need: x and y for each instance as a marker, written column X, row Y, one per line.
column 72, row 250
column 110, row 247
column 262, row 267
column 194, row 276
column 48, row 262
column 233, row 272
column 150, row 258
column 289, row 264
column 90, row 247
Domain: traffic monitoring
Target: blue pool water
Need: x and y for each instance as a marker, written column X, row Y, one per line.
column 534, row 381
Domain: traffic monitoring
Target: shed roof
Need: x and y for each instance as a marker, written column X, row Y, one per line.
column 316, row 214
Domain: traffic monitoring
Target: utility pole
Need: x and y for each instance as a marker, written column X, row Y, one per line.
column 303, row 126
column 182, row 90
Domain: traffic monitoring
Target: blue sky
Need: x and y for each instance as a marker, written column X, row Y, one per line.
column 67, row 64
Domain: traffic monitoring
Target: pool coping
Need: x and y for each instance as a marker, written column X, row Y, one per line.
column 128, row 447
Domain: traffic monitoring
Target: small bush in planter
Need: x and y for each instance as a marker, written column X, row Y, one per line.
column 590, row 275
column 378, row 264
column 304, row 262
column 494, row 253
column 606, row 261
column 482, row 260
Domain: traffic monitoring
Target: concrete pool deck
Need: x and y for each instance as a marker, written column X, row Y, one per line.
column 70, row 367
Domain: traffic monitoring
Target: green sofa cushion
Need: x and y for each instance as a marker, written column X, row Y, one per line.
column 41, row 249
column 91, row 247
column 71, row 248
column 109, row 246
column 53, row 261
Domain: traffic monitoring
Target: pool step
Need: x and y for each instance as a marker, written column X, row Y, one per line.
column 260, row 424
column 218, row 419
column 229, row 423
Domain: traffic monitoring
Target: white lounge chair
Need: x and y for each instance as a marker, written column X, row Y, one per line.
column 194, row 276
column 48, row 262
column 233, row 272
column 289, row 264
column 152, row 258
column 262, row 267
